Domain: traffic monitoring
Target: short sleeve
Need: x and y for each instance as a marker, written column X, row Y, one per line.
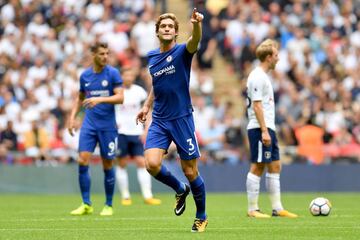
column 256, row 89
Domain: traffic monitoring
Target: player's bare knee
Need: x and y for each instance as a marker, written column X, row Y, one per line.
column 274, row 168
column 83, row 161
column 107, row 164
column 122, row 162
column 153, row 167
column 140, row 162
column 190, row 174
column 257, row 169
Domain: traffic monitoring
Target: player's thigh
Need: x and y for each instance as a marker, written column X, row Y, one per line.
column 87, row 140
column 158, row 136
column 259, row 153
column 122, row 146
column 183, row 134
column 108, row 144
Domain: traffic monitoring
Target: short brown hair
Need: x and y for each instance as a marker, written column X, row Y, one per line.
column 165, row 16
column 265, row 49
column 98, row 45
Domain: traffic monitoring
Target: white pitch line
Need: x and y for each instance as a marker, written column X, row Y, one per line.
column 168, row 229
column 310, row 219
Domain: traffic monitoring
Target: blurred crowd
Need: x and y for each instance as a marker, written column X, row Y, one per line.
column 317, row 79
column 44, row 47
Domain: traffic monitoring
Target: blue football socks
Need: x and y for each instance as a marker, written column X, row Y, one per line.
column 198, row 190
column 167, row 178
column 85, row 183
column 109, row 183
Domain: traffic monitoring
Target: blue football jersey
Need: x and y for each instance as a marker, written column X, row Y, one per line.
column 170, row 73
column 102, row 116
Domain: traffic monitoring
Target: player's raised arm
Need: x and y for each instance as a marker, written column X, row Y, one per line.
column 141, row 116
column 193, row 42
column 74, row 111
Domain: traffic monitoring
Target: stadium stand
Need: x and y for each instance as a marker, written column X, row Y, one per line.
column 43, row 50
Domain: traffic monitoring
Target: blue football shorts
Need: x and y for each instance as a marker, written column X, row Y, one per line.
column 181, row 131
column 129, row 145
column 259, row 152
column 107, row 141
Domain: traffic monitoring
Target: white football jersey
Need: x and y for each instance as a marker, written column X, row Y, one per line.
column 126, row 113
column 259, row 88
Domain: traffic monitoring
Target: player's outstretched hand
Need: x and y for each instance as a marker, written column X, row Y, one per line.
column 141, row 116
column 196, row 17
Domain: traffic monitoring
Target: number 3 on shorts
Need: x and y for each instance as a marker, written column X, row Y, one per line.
column 191, row 145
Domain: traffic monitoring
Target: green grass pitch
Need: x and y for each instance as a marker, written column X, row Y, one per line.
column 29, row 216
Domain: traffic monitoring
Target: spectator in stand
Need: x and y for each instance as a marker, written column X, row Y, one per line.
column 311, row 144
column 143, row 38
column 37, row 144
column 8, row 144
column 213, row 140
column 41, row 51
column 8, row 137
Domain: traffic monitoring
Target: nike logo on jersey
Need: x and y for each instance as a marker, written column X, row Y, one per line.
column 177, row 211
column 191, row 153
column 87, row 84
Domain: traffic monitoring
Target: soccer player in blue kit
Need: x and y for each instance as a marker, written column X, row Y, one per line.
column 100, row 89
column 172, row 118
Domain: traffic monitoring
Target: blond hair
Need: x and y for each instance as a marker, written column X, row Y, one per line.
column 265, row 49
column 165, row 16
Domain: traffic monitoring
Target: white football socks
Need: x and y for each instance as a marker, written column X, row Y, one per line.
column 253, row 189
column 272, row 182
column 144, row 179
column 123, row 182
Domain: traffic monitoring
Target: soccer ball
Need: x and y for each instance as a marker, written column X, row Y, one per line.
column 320, row 207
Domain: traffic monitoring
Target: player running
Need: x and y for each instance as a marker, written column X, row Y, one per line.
column 172, row 118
